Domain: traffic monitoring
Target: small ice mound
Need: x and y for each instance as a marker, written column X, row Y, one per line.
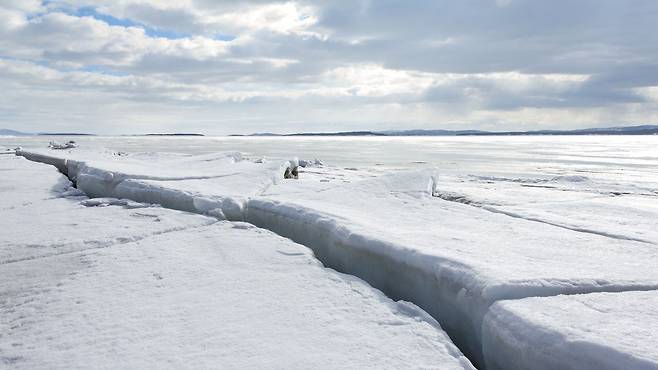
column 569, row 178
column 58, row 146
column 105, row 202
column 310, row 163
column 72, row 192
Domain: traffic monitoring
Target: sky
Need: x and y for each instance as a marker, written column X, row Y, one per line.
column 236, row 67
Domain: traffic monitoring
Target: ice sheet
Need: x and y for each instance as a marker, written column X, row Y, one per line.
column 42, row 216
column 134, row 290
column 590, row 204
column 393, row 233
column 216, row 184
column 27, row 182
column 402, row 234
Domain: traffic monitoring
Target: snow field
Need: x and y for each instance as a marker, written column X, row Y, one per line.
column 112, row 283
column 589, row 204
column 43, row 216
column 30, row 188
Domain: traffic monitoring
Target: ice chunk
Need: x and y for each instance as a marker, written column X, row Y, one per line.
column 310, row 163
column 588, row 331
column 215, row 184
column 60, row 146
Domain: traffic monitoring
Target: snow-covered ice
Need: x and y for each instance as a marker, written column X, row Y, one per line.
column 109, row 283
column 589, row 204
column 37, row 221
column 453, row 241
column 452, row 259
column 590, row 331
column 28, row 182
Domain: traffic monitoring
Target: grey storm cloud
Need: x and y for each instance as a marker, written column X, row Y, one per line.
column 233, row 67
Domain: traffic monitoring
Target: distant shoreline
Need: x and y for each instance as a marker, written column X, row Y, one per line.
column 629, row 130
column 641, row 130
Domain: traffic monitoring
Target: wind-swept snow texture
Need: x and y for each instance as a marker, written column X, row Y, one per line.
column 600, row 331
column 103, row 283
column 402, row 234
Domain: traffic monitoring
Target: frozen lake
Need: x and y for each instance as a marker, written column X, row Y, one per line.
column 524, row 154
column 460, row 226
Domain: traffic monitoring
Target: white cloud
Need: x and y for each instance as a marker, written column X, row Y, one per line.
column 307, row 65
column 72, row 40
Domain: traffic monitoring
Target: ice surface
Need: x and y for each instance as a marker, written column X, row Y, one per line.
column 27, row 182
column 105, row 283
column 591, row 331
column 160, row 166
column 590, row 204
column 452, row 259
column 450, row 243
column 35, row 210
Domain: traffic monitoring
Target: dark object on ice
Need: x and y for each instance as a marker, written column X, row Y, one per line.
column 291, row 173
column 68, row 145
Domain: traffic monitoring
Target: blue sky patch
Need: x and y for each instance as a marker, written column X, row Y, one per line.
column 90, row 11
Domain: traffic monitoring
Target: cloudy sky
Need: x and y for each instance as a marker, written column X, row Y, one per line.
column 222, row 67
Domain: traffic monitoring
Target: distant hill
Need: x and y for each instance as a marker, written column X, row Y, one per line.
column 8, row 132
column 345, row 133
column 175, row 134
column 628, row 130
column 339, row 133
column 63, row 134
column 432, row 132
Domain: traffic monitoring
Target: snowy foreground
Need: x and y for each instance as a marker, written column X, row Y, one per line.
column 104, row 283
column 472, row 250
